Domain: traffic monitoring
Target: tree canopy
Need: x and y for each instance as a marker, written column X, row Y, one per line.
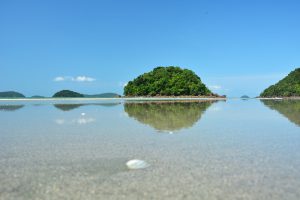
column 167, row 81
column 287, row 87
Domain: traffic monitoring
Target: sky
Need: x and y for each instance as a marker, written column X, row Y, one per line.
column 95, row 46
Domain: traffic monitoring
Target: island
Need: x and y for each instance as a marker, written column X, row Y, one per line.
column 37, row 97
column 67, row 94
column 287, row 87
column 167, row 81
column 103, row 95
column 245, row 97
column 11, row 94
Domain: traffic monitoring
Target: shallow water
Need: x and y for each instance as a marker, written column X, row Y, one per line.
column 234, row 149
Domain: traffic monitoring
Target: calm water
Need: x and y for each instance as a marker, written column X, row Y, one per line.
column 234, row 149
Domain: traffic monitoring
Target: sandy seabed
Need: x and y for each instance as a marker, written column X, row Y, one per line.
column 229, row 154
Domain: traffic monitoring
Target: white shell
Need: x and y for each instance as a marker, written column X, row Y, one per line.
column 82, row 114
column 137, row 164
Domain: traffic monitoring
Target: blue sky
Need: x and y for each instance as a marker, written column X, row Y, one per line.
column 236, row 47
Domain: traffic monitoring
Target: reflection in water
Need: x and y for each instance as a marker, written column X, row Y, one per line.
column 80, row 121
column 166, row 115
column 69, row 107
column 288, row 108
column 10, row 107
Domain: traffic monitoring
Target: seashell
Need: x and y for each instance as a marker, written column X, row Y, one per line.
column 137, row 164
column 82, row 114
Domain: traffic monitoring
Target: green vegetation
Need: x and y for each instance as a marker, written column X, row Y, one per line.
column 67, row 93
column 103, row 95
column 287, row 87
column 166, row 115
column 167, row 81
column 11, row 94
column 288, row 108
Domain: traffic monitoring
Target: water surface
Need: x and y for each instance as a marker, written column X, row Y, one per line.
column 230, row 149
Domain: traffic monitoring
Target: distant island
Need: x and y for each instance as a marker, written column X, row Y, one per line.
column 11, row 94
column 72, row 94
column 103, row 95
column 287, row 87
column 37, row 97
column 245, row 97
column 67, row 94
column 167, row 81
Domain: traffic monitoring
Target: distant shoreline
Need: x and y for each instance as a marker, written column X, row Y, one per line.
column 142, row 98
column 278, row 98
column 113, row 98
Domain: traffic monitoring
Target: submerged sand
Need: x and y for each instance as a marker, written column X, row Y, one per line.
column 224, row 156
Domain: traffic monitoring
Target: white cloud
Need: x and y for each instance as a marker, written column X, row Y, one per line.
column 83, row 79
column 215, row 87
column 59, row 78
column 76, row 79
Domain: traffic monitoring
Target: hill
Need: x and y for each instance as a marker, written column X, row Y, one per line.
column 67, row 93
column 103, row 95
column 287, row 87
column 11, row 94
column 167, row 81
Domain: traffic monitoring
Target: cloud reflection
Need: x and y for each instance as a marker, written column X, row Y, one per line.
column 79, row 121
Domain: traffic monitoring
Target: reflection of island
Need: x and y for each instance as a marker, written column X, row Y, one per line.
column 68, row 107
column 10, row 107
column 288, row 108
column 166, row 115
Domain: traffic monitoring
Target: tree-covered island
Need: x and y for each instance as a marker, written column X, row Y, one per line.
column 287, row 87
column 167, row 81
column 11, row 94
column 67, row 93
